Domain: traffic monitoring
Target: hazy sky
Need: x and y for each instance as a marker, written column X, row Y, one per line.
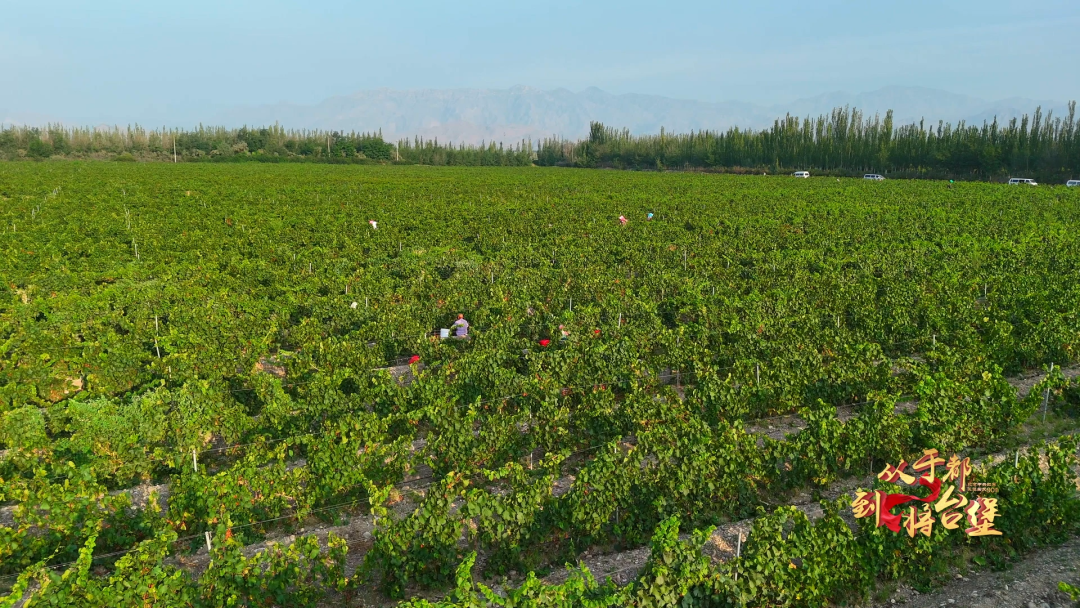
column 154, row 62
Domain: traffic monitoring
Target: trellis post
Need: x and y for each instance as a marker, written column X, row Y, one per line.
column 1046, row 394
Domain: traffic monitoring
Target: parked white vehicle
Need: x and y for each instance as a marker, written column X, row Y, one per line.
column 801, row 174
column 1072, row 183
column 1022, row 180
column 874, row 176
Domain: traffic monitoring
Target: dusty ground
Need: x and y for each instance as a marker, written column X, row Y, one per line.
column 1024, row 383
column 1031, row 583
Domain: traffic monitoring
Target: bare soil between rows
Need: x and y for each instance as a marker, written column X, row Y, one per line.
column 1030, row 583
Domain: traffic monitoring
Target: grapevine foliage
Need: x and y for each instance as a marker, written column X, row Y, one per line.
column 225, row 351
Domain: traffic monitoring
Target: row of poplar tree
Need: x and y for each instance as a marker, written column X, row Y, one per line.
column 845, row 142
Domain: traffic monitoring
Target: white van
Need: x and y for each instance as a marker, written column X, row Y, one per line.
column 1072, row 183
column 874, row 176
column 801, row 174
column 1022, row 180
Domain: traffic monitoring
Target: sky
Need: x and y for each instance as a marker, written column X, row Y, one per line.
column 123, row 61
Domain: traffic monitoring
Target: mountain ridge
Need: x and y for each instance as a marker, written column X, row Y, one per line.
column 472, row 116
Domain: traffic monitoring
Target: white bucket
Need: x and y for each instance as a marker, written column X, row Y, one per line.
column 444, row 333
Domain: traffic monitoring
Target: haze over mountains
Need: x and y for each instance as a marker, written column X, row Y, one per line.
column 510, row 115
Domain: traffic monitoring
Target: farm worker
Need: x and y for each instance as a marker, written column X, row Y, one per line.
column 462, row 326
column 374, row 224
column 565, row 334
column 622, row 220
column 649, row 216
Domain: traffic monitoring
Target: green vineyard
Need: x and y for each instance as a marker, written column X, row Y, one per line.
column 223, row 385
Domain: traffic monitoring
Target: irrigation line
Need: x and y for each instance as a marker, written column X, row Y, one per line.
column 332, row 507
column 747, row 423
column 237, row 527
column 94, row 557
column 239, row 390
column 507, row 397
column 359, row 500
column 403, row 485
column 328, row 431
column 678, row 375
column 503, row 398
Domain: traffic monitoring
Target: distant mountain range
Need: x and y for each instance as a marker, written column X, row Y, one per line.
column 510, row 115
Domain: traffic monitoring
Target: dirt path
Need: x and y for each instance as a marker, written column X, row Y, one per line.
column 1030, row 583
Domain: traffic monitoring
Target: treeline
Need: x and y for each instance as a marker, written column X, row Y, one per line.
column 204, row 143
column 845, row 142
column 430, row 152
column 270, row 144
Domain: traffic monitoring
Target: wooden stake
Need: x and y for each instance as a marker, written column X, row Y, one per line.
column 194, row 461
column 209, row 548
